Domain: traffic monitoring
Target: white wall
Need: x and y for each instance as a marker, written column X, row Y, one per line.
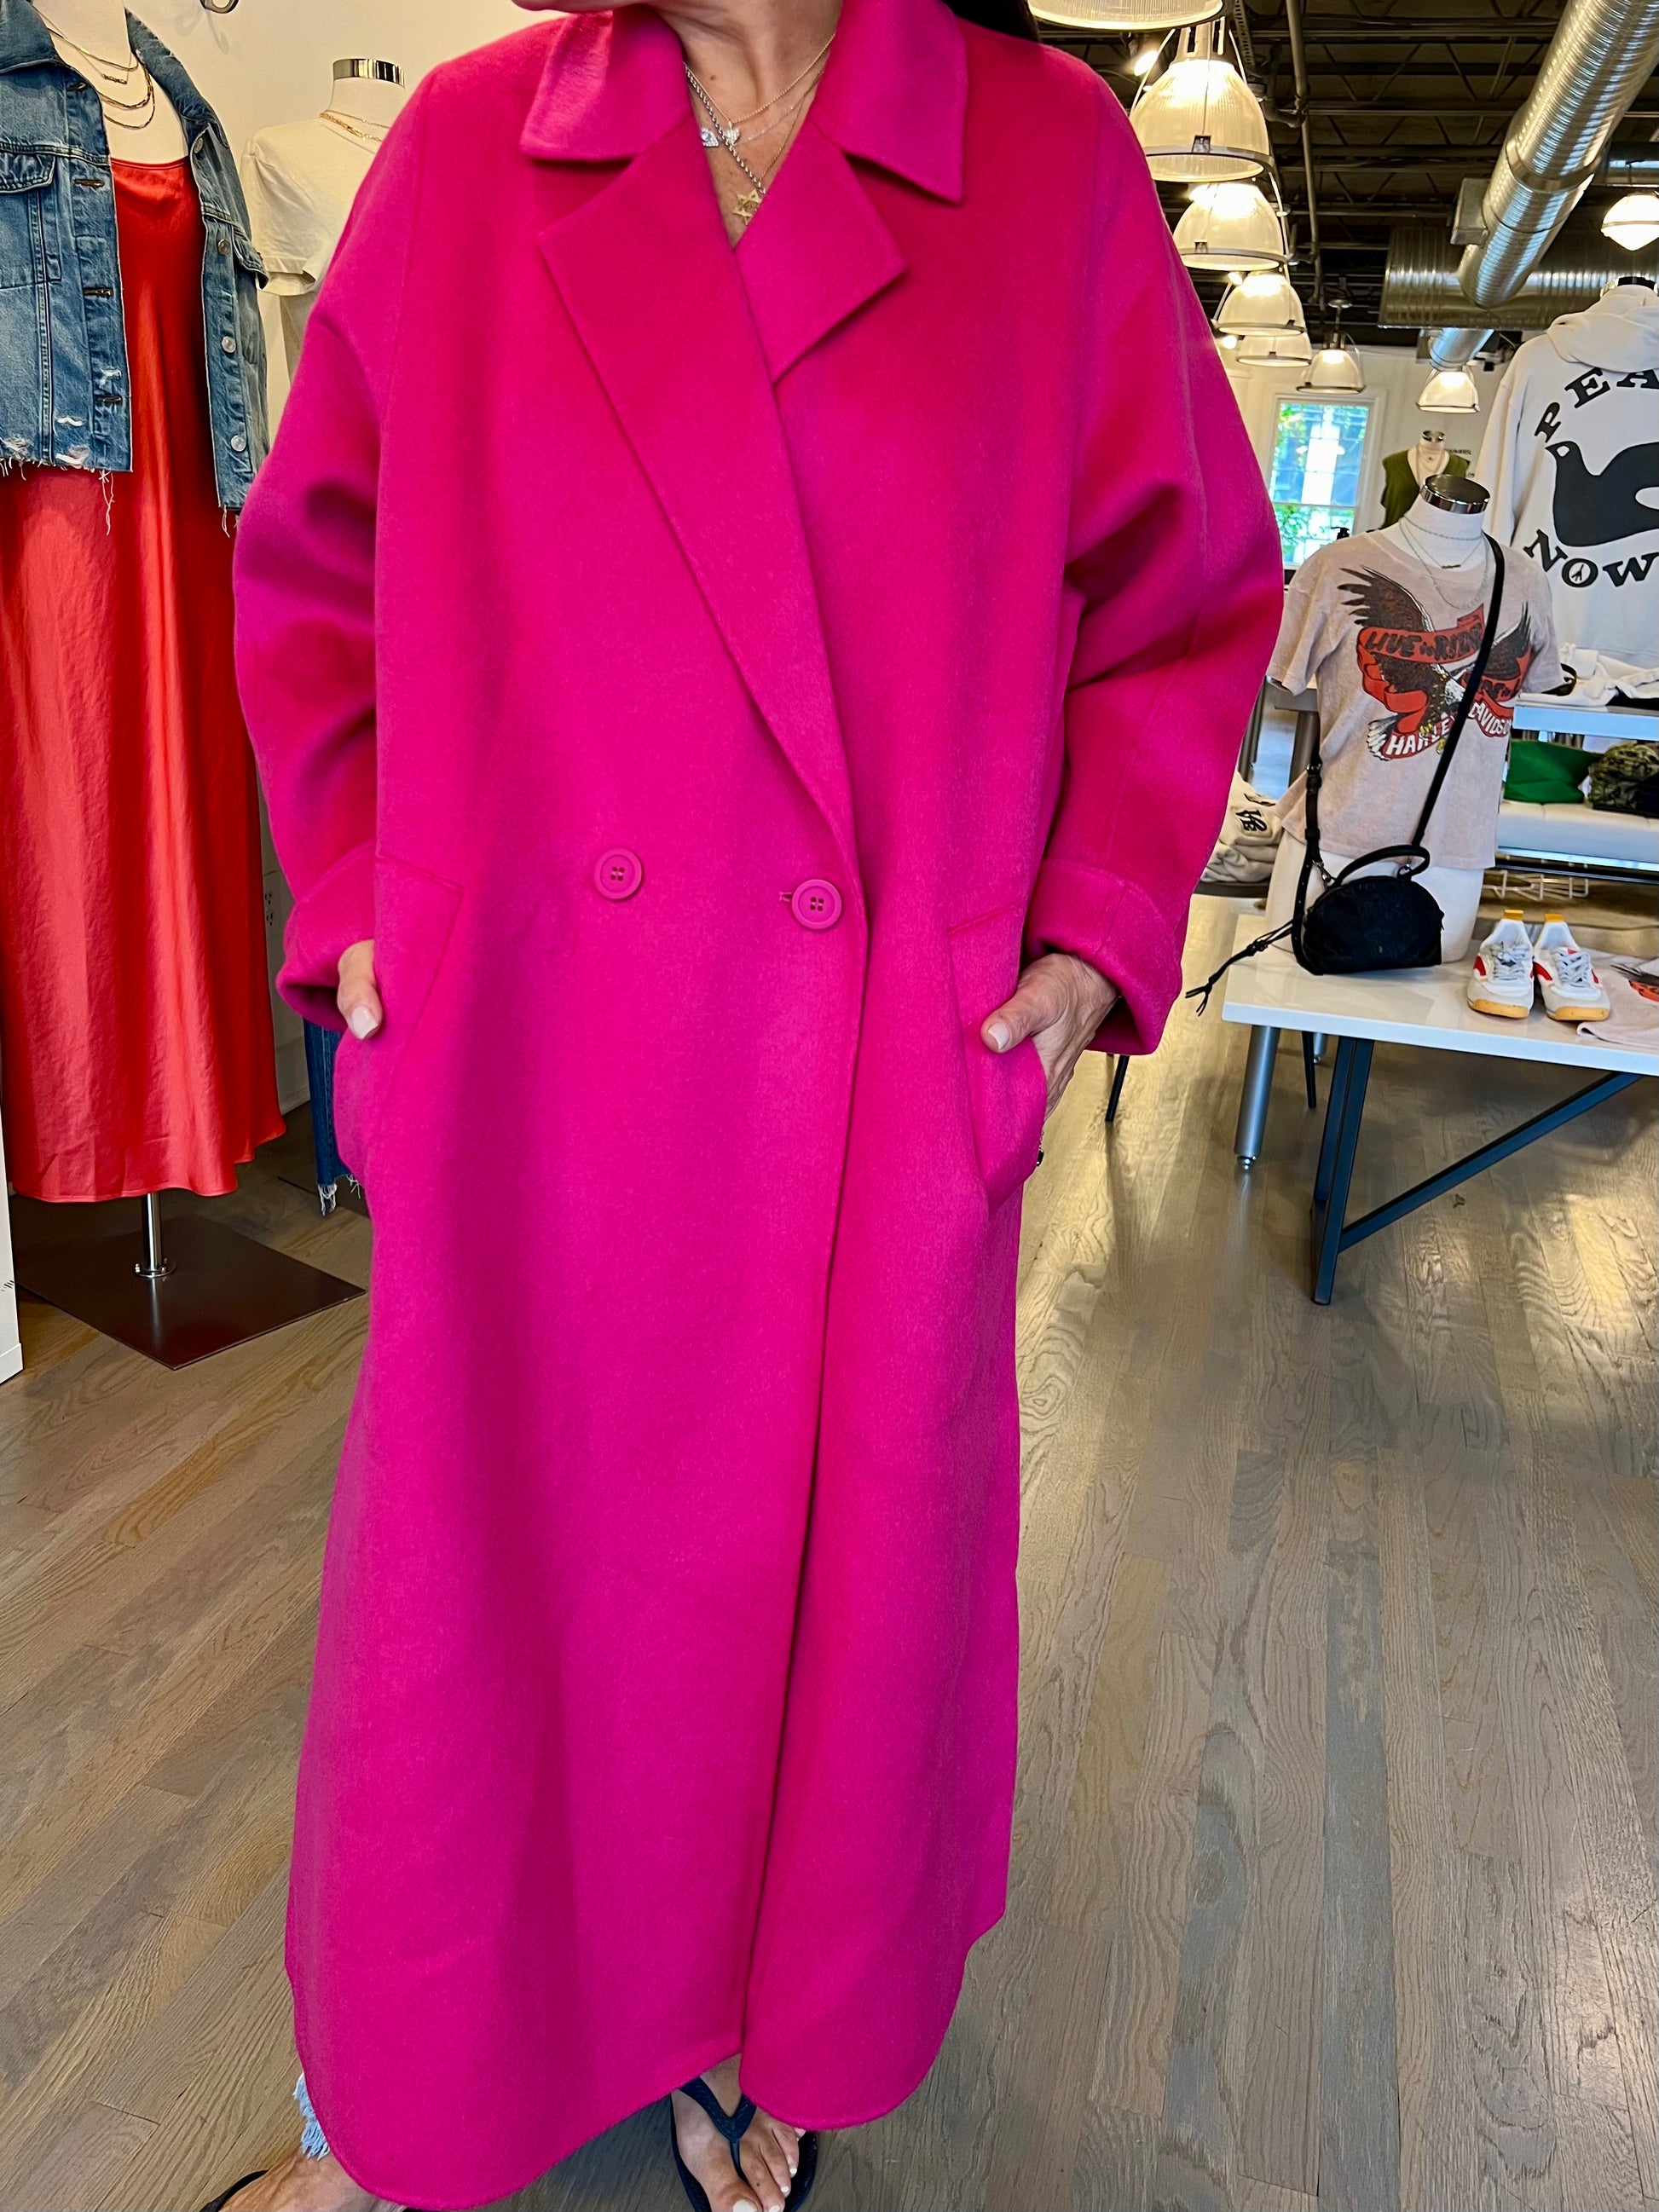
column 270, row 61
column 1394, row 377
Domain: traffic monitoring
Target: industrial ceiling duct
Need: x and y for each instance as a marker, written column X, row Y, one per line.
column 1421, row 290
column 1600, row 57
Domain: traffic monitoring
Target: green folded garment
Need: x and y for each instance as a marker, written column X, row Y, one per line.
column 1544, row 775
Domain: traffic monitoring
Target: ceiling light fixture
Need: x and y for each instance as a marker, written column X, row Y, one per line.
column 1449, row 391
column 1335, row 367
column 1232, row 225
column 1265, row 300
column 1200, row 123
column 1124, row 15
column 1633, row 221
column 1267, row 346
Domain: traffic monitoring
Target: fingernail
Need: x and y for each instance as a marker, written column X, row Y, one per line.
column 1000, row 1034
column 361, row 1022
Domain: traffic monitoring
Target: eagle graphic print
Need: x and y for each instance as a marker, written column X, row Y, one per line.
column 1419, row 674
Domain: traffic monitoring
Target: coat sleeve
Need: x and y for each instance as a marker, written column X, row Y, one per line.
column 1174, row 562
column 305, row 587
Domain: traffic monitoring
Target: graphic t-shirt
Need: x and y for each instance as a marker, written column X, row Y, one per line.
column 1388, row 641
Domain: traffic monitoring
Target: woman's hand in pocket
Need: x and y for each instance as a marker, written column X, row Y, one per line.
column 358, row 997
column 1059, row 1002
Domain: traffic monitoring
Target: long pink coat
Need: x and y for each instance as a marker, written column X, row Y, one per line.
column 605, row 588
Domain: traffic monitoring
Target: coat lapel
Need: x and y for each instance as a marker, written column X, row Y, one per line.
column 650, row 283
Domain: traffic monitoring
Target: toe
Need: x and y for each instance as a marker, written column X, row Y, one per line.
column 769, row 2163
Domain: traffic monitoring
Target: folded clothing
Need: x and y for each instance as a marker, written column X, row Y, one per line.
column 1624, row 779
column 1542, row 774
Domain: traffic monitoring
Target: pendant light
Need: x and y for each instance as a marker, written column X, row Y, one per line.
column 1200, row 123
column 1268, row 346
column 1633, row 221
column 1449, row 391
column 1124, row 15
column 1264, row 300
column 1335, row 367
column 1231, row 226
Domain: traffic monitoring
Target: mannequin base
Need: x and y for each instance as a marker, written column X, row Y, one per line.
column 1456, row 891
column 221, row 1288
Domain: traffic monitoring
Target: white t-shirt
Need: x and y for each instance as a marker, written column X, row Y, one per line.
column 1389, row 641
column 300, row 179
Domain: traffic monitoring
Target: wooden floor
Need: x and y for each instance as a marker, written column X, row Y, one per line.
column 1334, row 1865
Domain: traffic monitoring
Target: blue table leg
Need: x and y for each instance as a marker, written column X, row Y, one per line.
column 1337, row 1153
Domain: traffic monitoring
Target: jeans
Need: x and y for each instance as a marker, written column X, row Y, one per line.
column 314, row 2143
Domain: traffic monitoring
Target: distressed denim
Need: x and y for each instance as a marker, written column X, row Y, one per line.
column 64, row 378
column 314, row 2143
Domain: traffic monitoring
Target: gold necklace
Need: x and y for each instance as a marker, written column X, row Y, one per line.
column 734, row 124
column 368, row 134
column 116, row 68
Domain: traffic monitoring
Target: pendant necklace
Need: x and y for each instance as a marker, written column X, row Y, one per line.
column 721, row 133
column 728, row 129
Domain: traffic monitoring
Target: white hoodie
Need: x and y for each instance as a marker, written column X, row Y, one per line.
column 1570, row 456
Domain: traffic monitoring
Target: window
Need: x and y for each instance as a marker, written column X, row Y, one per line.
column 1314, row 484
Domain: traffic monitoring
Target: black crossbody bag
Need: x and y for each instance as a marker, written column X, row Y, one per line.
column 1367, row 925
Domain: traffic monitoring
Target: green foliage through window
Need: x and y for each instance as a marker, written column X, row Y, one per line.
column 1314, row 480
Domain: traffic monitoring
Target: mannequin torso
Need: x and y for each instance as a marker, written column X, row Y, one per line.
column 91, row 35
column 1428, row 455
column 1442, row 537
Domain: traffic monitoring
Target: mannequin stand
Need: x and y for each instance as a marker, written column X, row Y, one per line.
column 203, row 1289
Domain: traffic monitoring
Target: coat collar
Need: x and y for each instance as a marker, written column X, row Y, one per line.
column 895, row 92
column 689, row 338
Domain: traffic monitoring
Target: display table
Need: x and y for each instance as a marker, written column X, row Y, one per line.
column 1422, row 1006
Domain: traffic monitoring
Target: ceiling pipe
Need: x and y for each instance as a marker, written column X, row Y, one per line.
column 1299, row 70
column 1598, row 61
column 1420, row 290
column 1455, row 348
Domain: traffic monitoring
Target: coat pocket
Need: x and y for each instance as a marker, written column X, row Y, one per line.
column 414, row 916
column 1007, row 1092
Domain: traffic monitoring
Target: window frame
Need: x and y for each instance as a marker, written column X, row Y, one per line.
column 1367, row 402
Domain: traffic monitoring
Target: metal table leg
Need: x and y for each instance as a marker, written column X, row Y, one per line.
column 1336, row 1150
column 1309, row 1057
column 1252, row 1099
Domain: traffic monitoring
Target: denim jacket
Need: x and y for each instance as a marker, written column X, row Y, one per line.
column 62, row 337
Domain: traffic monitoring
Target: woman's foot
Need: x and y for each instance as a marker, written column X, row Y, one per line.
column 304, row 2185
column 770, row 2152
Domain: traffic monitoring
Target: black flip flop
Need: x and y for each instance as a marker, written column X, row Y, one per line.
column 733, row 2126
column 219, row 2201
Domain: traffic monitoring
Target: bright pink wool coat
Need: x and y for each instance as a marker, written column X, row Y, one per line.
column 605, row 587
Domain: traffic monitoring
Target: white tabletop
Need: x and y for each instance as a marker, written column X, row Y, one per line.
column 1413, row 1005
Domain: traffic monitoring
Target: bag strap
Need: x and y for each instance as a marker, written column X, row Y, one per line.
column 1477, row 675
column 1416, row 850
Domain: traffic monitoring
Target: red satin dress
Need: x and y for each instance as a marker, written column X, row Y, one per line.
column 136, row 1046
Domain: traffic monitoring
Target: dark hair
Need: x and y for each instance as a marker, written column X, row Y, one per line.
column 1012, row 16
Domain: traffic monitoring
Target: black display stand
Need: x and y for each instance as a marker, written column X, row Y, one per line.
column 177, row 1295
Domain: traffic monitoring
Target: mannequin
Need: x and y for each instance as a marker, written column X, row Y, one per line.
column 91, row 35
column 1405, row 473
column 301, row 179
column 1441, row 532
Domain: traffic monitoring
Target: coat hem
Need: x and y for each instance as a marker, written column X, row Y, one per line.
column 510, row 2180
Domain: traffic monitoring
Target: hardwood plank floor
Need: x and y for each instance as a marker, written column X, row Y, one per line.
column 1334, row 1880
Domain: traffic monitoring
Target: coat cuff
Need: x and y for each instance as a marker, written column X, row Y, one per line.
column 338, row 910
column 1110, row 923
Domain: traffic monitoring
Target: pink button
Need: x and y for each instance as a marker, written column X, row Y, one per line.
column 618, row 874
column 816, row 904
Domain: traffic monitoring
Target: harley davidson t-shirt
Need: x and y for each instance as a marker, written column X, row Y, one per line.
column 1388, row 642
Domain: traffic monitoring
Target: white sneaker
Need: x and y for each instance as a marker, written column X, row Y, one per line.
column 1500, row 981
column 1573, row 992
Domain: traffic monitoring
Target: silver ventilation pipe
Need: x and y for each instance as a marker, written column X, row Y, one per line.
column 1455, row 348
column 1601, row 55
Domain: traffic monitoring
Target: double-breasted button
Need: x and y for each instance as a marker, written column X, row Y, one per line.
column 618, row 873
column 816, row 904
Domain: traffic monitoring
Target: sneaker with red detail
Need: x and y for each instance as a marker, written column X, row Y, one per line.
column 1573, row 992
column 1500, row 981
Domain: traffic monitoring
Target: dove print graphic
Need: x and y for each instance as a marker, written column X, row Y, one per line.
column 1571, row 459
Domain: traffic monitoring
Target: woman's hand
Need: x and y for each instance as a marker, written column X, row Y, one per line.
column 1059, row 1002
column 358, row 997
